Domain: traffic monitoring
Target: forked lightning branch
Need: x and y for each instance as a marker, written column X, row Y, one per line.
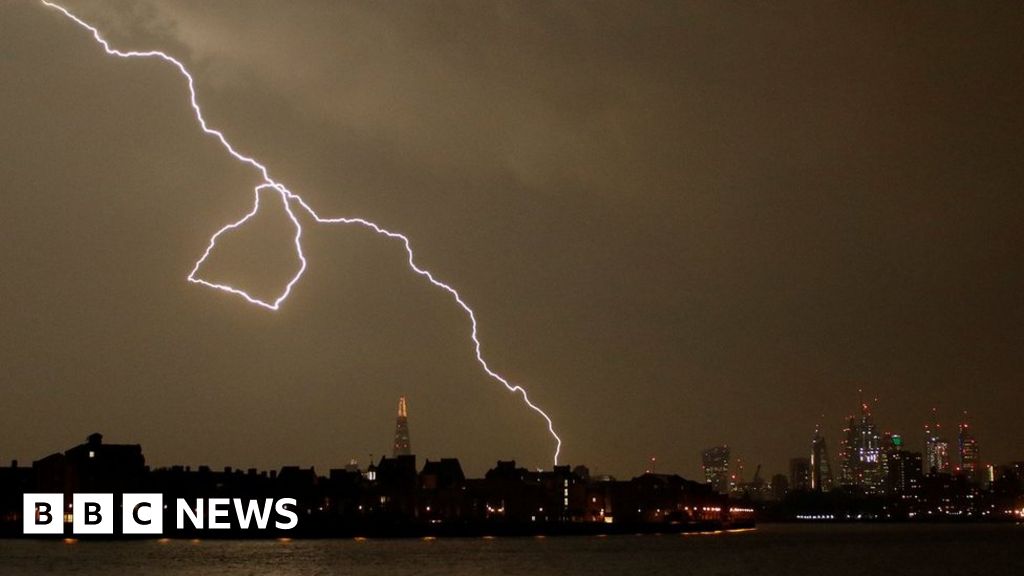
column 294, row 203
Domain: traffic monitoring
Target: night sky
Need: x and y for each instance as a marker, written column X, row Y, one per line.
column 679, row 224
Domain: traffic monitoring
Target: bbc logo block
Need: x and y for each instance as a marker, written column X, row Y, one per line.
column 43, row 514
column 142, row 514
column 93, row 513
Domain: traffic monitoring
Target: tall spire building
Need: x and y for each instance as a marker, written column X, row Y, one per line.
column 402, row 446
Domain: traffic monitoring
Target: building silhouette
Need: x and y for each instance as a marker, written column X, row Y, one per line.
column 393, row 494
column 14, row 481
column 92, row 467
column 800, row 474
column 779, row 486
column 821, row 466
column 716, row 468
column 442, row 486
column 400, row 499
column 402, row 446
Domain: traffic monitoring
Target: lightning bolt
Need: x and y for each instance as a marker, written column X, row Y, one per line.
column 292, row 202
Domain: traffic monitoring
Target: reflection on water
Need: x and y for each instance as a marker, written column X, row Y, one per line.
column 780, row 549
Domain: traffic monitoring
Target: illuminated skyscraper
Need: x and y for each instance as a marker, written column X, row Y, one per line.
column 716, row 468
column 938, row 456
column 821, row 465
column 862, row 453
column 936, row 448
column 968, row 447
column 402, row 446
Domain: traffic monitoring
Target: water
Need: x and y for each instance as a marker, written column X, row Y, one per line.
column 771, row 549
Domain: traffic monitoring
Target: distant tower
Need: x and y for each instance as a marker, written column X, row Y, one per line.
column 402, row 447
column 861, row 453
column 821, row 467
column 716, row 468
column 968, row 450
column 936, row 448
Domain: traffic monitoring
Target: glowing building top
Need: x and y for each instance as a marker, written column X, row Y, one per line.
column 402, row 446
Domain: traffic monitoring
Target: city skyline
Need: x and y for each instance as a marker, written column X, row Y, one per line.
column 723, row 468
column 678, row 237
column 356, row 499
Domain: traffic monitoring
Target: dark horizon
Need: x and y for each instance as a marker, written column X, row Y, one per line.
column 679, row 224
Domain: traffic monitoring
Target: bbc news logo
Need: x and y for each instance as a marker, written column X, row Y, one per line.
column 144, row 514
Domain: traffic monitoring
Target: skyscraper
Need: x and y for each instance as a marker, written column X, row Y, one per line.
column 936, row 448
column 716, row 468
column 891, row 443
column 968, row 448
column 862, row 453
column 402, row 446
column 904, row 472
column 821, row 466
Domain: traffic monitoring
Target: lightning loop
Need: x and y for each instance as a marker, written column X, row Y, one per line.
column 292, row 202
